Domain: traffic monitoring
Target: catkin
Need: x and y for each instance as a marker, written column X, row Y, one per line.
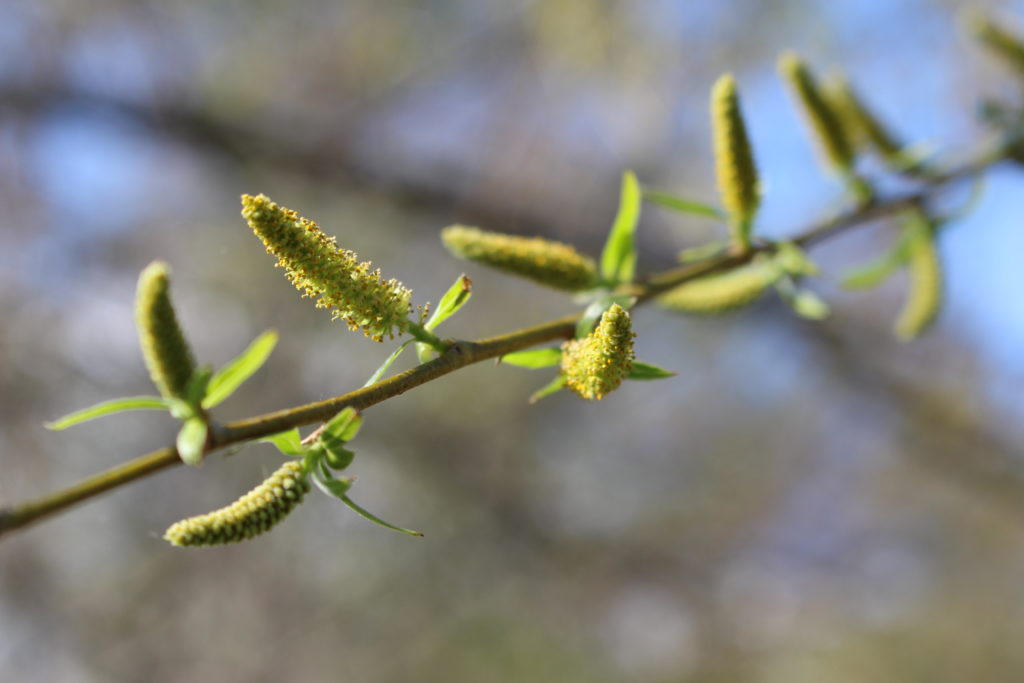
column 827, row 127
column 924, row 296
column 722, row 292
column 860, row 121
column 1009, row 47
column 319, row 268
column 164, row 349
column 554, row 264
column 250, row 515
column 734, row 159
column 599, row 362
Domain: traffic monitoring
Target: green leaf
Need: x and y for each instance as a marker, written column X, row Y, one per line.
column 344, row 426
column 456, row 296
column 644, row 371
column 618, row 261
column 226, row 380
column 585, row 325
column 804, row 302
column 289, row 442
column 335, row 453
column 704, row 251
column 116, row 405
column 681, row 205
column 794, row 260
column 197, row 386
column 533, row 359
column 379, row 372
column 366, row 514
column 331, row 486
column 191, row 441
column 557, row 384
column 876, row 272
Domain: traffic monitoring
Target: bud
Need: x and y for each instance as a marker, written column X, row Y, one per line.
column 598, row 363
column 722, row 292
column 250, row 515
column 554, row 264
column 734, row 159
column 924, row 297
column 818, row 114
column 167, row 355
column 319, row 268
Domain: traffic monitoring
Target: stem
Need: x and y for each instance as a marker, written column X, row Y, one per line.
column 458, row 354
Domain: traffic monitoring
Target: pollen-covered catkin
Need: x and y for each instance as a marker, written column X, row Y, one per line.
column 924, row 296
column 166, row 352
column 250, row 515
column 860, row 121
column 722, row 292
column 599, row 362
column 319, row 268
column 734, row 158
column 554, row 264
column 825, row 123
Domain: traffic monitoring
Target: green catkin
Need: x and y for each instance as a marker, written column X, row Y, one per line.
column 924, row 296
column 166, row 352
column 734, row 159
column 319, row 268
column 1009, row 47
column 251, row 515
column 554, row 264
column 825, row 123
column 722, row 292
column 598, row 363
column 861, row 123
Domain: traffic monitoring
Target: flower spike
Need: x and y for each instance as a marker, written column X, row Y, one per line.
column 319, row 268
column 827, row 127
column 166, row 352
column 598, row 363
column 734, row 159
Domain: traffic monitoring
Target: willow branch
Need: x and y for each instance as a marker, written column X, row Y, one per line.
column 463, row 353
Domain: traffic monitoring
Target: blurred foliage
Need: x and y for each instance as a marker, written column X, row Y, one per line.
column 804, row 502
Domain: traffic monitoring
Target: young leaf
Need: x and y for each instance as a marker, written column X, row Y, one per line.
column 117, row 405
column 197, row 386
column 557, row 384
column 794, row 260
column 643, row 371
column 704, row 251
column 618, row 260
column 586, row 323
column 226, row 380
column 345, row 425
column 335, row 454
column 876, row 272
column 533, row 359
column 456, row 296
column 331, row 486
column 289, row 442
column 375, row 377
column 804, row 302
column 366, row 514
column 681, row 205
column 191, row 441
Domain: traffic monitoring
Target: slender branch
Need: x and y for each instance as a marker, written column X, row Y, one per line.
column 462, row 353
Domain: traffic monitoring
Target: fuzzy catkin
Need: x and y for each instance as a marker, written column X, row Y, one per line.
column 599, row 362
column 554, row 264
column 734, row 158
column 164, row 349
column 924, row 296
column 319, row 268
column 825, row 123
column 722, row 292
column 860, row 121
column 251, row 515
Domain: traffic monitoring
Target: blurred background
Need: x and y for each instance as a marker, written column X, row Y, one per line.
column 804, row 502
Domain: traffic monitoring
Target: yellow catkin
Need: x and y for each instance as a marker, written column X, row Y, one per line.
column 827, row 127
column 549, row 263
column 925, row 293
column 1008, row 46
column 598, row 363
column 250, row 515
column 734, row 159
column 166, row 352
column 319, row 268
column 722, row 292
column 860, row 121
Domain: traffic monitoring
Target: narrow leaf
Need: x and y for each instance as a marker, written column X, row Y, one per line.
column 618, row 261
column 704, row 251
column 456, row 296
column 585, row 325
column 876, row 272
column 557, row 384
column 362, row 512
column 197, row 386
column 345, row 425
column 191, row 441
column 335, row 454
column 117, row 405
column 533, row 359
column 644, row 371
column 681, row 205
column 289, row 442
column 331, row 486
column 387, row 364
column 226, row 380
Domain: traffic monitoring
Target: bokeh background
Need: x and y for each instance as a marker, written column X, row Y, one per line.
column 804, row 502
